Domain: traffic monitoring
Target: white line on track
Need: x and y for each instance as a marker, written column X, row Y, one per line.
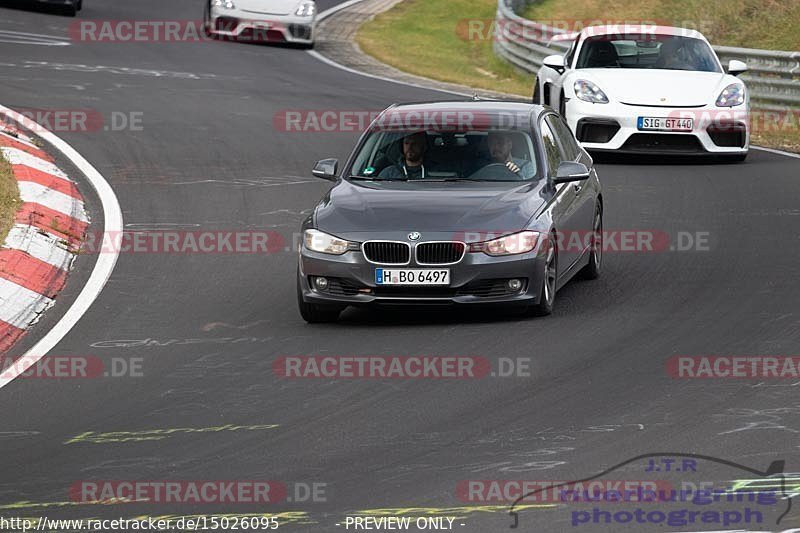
column 19, row 37
column 112, row 216
column 327, row 13
column 774, row 151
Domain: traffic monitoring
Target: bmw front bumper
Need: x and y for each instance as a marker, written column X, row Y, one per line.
column 477, row 279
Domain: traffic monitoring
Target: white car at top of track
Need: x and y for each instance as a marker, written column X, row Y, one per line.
column 289, row 21
column 648, row 89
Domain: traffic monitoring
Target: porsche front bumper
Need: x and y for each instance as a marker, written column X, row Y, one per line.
column 615, row 127
column 246, row 26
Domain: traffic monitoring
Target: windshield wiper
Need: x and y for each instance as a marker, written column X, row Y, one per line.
column 365, row 178
column 449, row 179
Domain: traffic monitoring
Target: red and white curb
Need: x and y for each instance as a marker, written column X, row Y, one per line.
column 112, row 231
column 42, row 244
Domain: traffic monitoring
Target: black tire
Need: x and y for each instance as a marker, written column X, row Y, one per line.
column 547, row 294
column 316, row 313
column 562, row 106
column 592, row 270
column 207, row 22
column 70, row 10
column 537, row 93
column 79, row 5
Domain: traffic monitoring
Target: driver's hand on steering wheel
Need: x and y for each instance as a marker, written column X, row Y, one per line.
column 513, row 167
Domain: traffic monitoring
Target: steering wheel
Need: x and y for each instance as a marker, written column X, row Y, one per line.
column 490, row 172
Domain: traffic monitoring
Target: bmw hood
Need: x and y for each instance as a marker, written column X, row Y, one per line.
column 646, row 87
column 357, row 211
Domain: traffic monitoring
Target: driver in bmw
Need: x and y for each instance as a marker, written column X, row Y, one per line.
column 500, row 146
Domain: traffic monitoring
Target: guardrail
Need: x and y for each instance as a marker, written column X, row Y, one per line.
column 773, row 78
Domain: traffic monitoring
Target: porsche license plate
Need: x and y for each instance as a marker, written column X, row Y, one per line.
column 412, row 276
column 665, row 124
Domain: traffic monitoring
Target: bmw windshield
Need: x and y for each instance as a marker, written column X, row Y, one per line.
column 409, row 146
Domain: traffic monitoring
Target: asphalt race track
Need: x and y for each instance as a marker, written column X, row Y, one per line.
column 206, row 328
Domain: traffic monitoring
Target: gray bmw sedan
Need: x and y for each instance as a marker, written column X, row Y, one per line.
column 453, row 203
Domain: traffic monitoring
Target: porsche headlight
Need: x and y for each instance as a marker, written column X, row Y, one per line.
column 225, row 4
column 317, row 241
column 306, row 9
column 517, row 243
column 589, row 92
column 731, row 96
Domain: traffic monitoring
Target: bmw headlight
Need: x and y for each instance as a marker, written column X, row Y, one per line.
column 317, row 241
column 731, row 96
column 589, row 92
column 306, row 9
column 225, row 4
column 517, row 243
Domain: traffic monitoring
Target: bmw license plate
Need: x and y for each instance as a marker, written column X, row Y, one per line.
column 412, row 276
column 665, row 124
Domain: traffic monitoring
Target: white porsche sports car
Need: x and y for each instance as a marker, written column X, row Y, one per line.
column 288, row 21
column 648, row 89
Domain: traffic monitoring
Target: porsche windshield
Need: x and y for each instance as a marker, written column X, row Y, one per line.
column 648, row 51
column 488, row 155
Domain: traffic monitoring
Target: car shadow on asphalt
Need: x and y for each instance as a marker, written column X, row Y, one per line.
column 572, row 297
column 439, row 315
column 257, row 42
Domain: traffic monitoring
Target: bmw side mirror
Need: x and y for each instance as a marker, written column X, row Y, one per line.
column 326, row 169
column 555, row 62
column 736, row 67
column 571, row 171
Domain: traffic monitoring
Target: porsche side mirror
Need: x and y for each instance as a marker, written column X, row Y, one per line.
column 326, row 169
column 555, row 62
column 736, row 67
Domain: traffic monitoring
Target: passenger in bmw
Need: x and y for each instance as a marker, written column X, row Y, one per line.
column 412, row 163
column 500, row 149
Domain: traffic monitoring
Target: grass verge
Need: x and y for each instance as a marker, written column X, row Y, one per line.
column 9, row 197
column 429, row 38
column 768, row 24
column 788, row 141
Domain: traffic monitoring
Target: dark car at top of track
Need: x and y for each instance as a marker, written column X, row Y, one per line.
column 67, row 7
column 452, row 203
